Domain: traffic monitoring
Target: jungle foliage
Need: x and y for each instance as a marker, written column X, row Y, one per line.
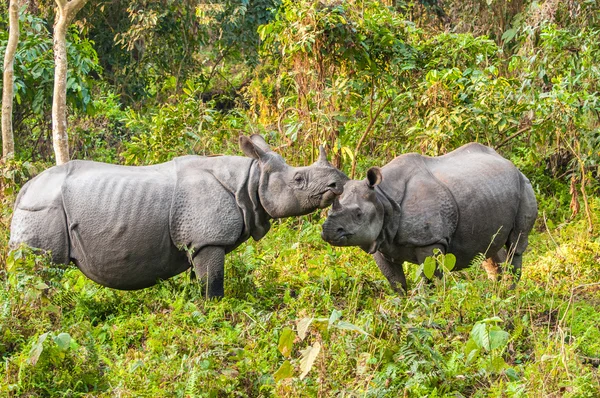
column 156, row 79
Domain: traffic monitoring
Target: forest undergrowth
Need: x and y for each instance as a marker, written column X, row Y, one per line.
column 302, row 318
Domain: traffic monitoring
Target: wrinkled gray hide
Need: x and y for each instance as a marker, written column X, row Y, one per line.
column 127, row 227
column 467, row 202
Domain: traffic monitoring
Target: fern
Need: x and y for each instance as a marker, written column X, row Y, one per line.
column 192, row 388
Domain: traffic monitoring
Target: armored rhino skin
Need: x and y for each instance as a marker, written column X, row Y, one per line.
column 466, row 202
column 126, row 227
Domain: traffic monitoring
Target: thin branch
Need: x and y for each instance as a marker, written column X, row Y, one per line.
column 367, row 131
column 583, row 192
column 509, row 138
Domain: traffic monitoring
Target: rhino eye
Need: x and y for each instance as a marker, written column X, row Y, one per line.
column 359, row 214
column 298, row 179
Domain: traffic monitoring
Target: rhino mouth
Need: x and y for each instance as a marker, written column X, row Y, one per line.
column 337, row 239
column 327, row 197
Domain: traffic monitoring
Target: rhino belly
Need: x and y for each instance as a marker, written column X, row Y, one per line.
column 483, row 228
column 119, row 226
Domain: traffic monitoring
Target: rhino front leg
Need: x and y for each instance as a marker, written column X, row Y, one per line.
column 394, row 273
column 209, row 266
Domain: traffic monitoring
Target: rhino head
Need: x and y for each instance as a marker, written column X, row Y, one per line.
column 287, row 191
column 356, row 217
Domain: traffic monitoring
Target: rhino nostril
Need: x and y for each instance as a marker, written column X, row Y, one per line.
column 332, row 185
column 340, row 230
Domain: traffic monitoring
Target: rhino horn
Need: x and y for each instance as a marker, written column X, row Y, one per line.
column 323, row 157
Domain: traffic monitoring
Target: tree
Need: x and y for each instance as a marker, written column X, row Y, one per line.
column 66, row 11
column 8, row 143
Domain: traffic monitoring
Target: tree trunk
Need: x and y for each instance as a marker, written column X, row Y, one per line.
column 8, row 142
column 66, row 11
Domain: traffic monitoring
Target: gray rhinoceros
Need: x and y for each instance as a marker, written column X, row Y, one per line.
column 126, row 227
column 466, row 202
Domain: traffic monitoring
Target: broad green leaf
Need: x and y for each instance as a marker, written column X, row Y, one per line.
column 471, row 351
column 480, row 336
column 429, row 267
column 302, row 326
column 308, row 358
column 285, row 371
column 509, row 34
column 286, row 342
column 449, row 261
column 498, row 337
column 63, row 341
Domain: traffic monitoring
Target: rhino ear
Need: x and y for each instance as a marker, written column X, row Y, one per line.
column 374, row 176
column 260, row 142
column 250, row 149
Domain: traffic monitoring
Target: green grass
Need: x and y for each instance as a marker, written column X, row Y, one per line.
column 291, row 296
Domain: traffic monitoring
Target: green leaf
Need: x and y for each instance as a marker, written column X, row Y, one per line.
column 429, row 267
column 494, row 319
column 309, row 355
column 471, row 351
column 480, row 336
column 498, row 337
column 497, row 364
column 509, row 34
column 286, row 342
column 512, row 374
column 349, row 326
column 285, row 371
column 63, row 341
column 37, row 349
column 334, row 317
column 449, row 261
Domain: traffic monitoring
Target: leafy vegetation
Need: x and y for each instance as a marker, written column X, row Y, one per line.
column 301, row 318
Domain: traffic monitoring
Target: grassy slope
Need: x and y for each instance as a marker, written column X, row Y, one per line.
column 63, row 335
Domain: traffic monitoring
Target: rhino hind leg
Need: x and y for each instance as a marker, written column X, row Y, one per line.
column 43, row 229
column 209, row 267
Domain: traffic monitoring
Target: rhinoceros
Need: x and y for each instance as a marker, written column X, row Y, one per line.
column 466, row 202
column 126, row 227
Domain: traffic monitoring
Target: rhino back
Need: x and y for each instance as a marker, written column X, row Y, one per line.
column 118, row 220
